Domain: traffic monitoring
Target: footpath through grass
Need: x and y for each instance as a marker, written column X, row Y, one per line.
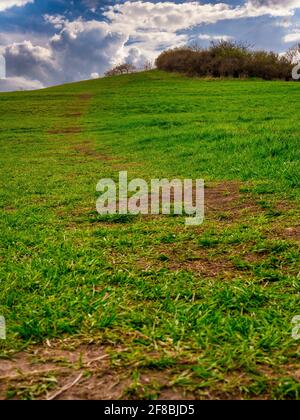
column 200, row 312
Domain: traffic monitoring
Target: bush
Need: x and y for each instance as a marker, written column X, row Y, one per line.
column 124, row 68
column 226, row 59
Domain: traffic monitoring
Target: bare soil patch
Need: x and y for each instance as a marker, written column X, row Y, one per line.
column 69, row 130
column 291, row 233
column 224, row 199
column 64, row 371
column 87, row 148
column 81, row 373
column 198, row 262
column 89, row 364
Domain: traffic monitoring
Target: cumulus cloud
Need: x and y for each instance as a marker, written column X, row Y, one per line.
column 78, row 50
column 136, row 57
column 19, row 83
column 26, row 60
column 292, row 37
column 273, row 7
column 169, row 16
column 206, row 37
column 7, row 4
column 273, row 4
column 82, row 48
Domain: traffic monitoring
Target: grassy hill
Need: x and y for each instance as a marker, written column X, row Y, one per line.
column 145, row 305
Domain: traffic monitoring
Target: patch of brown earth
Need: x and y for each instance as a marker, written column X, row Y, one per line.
column 68, row 130
column 72, row 114
column 85, row 96
column 51, row 372
column 10, row 209
column 220, row 199
column 290, row 233
column 65, row 371
column 86, row 148
column 224, row 200
column 202, row 265
column 76, row 110
column 81, row 373
column 199, row 262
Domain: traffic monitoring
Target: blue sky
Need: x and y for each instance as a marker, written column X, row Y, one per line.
column 47, row 42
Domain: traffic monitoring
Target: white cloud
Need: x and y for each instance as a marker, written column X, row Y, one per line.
column 7, row 4
column 26, row 60
column 56, row 21
column 78, row 50
column 276, row 4
column 19, row 83
column 169, row 16
column 206, row 37
column 284, row 23
column 292, row 37
column 276, row 8
column 85, row 47
column 136, row 57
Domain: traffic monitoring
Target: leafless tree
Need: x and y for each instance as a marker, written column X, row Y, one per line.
column 148, row 65
column 124, row 68
column 293, row 54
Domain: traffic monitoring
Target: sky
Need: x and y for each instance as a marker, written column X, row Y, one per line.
column 50, row 42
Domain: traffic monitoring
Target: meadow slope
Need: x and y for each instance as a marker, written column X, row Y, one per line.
column 145, row 307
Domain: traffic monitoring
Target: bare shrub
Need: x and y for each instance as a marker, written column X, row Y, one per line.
column 293, row 54
column 148, row 65
column 225, row 59
column 124, row 68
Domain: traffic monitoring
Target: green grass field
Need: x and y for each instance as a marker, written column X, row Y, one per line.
column 144, row 306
